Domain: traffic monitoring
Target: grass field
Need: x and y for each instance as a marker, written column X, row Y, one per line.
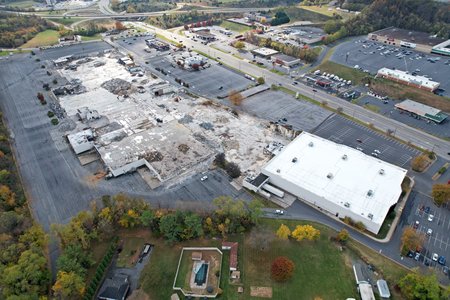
column 67, row 21
column 325, row 11
column 356, row 76
column 91, row 38
column 301, row 14
column 401, row 92
column 45, row 38
column 235, row 27
column 132, row 247
column 372, row 107
column 22, row 4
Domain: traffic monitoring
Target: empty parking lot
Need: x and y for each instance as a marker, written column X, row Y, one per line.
column 344, row 131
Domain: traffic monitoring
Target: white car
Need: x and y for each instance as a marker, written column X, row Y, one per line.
column 279, row 212
column 430, row 218
column 377, row 151
column 359, row 149
column 429, row 231
column 204, row 178
column 435, row 257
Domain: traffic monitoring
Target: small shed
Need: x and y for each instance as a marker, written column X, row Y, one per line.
column 196, row 256
column 383, row 289
column 235, row 274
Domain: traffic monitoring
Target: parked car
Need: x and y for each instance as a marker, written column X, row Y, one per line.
column 429, row 231
column 417, row 256
column 204, row 178
column 441, row 260
column 279, row 212
column 416, row 225
column 430, row 218
column 427, row 209
column 435, row 257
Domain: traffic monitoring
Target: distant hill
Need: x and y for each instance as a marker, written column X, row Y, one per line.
column 421, row 15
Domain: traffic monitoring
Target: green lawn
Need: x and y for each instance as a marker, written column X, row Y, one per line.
column 132, row 246
column 45, row 38
column 235, row 27
column 97, row 36
column 67, row 21
column 22, row 4
column 372, row 107
column 324, row 11
column 355, row 75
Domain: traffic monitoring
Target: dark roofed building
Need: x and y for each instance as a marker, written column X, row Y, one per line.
column 285, row 60
column 115, row 288
column 421, row 41
column 233, row 247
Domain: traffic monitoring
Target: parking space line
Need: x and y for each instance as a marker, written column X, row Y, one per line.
column 435, row 239
column 443, row 222
column 446, row 245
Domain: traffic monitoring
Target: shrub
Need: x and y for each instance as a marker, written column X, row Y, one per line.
column 360, row 225
column 233, row 170
column 282, row 269
column 442, row 170
column 50, row 114
column 260, row 80
column 55, row 121
column 220, row 160
column 55, row 81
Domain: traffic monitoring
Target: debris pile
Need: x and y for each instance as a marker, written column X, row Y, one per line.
column 117, row 86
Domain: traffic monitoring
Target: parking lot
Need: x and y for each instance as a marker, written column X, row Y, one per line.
column 275, row 105
column 372, row 56
column 438, row 240
column 388, row 109
column 214, row 81
column 347, row 132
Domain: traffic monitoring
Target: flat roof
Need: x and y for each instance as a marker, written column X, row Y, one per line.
column 442, row 48
column 383, row 289
column 285, row 57
column 366, row 292
column 422, row 110
column 340, row 174
column 416, row 37
column 265, row 51
column 416, row 79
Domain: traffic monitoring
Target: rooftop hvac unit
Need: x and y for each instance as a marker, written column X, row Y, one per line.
column 330, row 176
column 346, row 204
column 381, row 171
column 369, row 193
column 370, row 216
column 344, row 157
column 278, row 170
column 311, row 144
column 294, row 160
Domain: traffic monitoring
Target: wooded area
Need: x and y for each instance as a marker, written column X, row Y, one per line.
column 15, row 30
column 23, row 263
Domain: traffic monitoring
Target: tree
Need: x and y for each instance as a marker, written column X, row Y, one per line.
column 343, row 236
column 283, row 232
column 255, row 209
column 170, row 228
column 239, row 45
column 282, row 269
column 147, row 217
column 411, row 240
column 235, row 97
column 226, row 206
column 233, row 170
column 419, row 163
column 441, row 193
column 74, row 260
column 10, row 221
column 220, row 160
column 29, row 276
column 308, row 232
column 68, row 285
column 192, row 226
column 7, row 197
column 415, row 286
column 119, row 26
column 260, row 80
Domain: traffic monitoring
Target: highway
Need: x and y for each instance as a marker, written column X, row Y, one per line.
column 380, row 122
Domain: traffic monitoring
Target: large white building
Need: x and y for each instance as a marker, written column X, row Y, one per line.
column 418, row 81
column 337, row 178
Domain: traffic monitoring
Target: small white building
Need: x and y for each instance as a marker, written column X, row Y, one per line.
column 337, row 178
column 442, row 48
column 81, row 141
column 264, row 52
column 403, row 77
column 383, row 289
column 422, row 110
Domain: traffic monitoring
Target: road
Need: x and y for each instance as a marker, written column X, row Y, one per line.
column 380, row 122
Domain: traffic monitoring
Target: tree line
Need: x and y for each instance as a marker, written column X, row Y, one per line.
column 134, row 6
column 120, row 211
column 15, row 30
column 23, row 263
column 174, row 20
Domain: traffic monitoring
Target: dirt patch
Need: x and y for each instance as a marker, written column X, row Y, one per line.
column 95, row 178
column 261, row 291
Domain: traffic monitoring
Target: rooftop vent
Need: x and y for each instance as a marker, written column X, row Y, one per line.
column 311, row 144
column 346, row 204
column 370, row 193
column 330, row 176
column 278, row 170
column 294, row 160
column 344, row 157
column 370, row 216
column 381, row 171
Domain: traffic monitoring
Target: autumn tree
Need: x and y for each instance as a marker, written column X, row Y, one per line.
column 7, row 197
column 308, row 232
column 282, row 269
column 415, row 286
column 235, row 97
column 119, row 26
column 239, row 45
column 68, row 285
column 343, row 236
column 441, row 193
column 283, row 232
column 411, row 240
column 260, row 80
column 419, row 163
column 74, row 260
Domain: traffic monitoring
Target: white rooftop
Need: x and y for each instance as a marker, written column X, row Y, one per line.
column 416, row 79
column 417, row 108
column 339, row 174
column 265, row 51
